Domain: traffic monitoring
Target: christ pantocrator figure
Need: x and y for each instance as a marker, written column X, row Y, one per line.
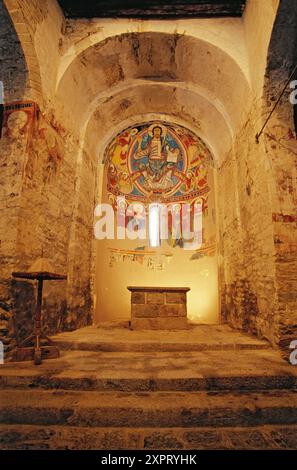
column 158, row 171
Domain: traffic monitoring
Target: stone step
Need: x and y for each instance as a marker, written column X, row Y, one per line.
column 147, row 346
column 187, row 384
column 155, row 409
column 175, row 371
column 202, row 338
column 36, row 437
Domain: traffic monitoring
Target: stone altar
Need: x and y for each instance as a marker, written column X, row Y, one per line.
column 158, row 307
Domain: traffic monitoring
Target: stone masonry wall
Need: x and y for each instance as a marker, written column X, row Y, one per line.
column 258, row 208
column 246, row 236
column 37, row 186
column 80, row 300
column 40, row 179
column 281, row 144
column 258, row 189
column 12, row 156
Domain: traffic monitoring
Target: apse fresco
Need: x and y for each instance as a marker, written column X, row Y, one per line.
column 160, row 162
column 164, row 163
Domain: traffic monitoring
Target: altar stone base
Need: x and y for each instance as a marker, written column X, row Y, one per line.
column 158, row 308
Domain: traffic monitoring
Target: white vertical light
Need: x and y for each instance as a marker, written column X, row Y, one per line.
column 154, row 225
column 1, row 92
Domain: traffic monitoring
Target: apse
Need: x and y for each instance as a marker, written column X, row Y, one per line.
column 149, row 165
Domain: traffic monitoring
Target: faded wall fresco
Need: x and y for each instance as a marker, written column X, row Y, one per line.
column 33, row 183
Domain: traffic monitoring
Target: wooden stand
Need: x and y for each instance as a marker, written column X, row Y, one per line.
column 37, row 346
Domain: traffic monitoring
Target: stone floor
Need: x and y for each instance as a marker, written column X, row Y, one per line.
column 107, row 337
column 112, row 388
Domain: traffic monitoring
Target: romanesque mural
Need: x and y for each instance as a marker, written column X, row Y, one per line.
column 163, row 162
column 24, row 122
column 18, row 121
column 157, row 161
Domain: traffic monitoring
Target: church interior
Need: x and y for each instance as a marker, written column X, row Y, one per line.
column 141, row 342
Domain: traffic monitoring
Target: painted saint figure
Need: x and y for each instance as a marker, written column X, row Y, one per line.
column 154, row 147
column 161, row 157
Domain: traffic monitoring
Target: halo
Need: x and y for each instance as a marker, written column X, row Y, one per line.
column 137, row 207
column 157, row 124
column 20, row 117
column 133, row 131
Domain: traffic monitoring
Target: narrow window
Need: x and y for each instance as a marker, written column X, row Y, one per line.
column 154, row 225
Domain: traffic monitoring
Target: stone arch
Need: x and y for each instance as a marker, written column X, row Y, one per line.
column 21, row 16
column 185, row 104
column 88, row 176
column 184, row 59
column 77, row 43
column 15, row 79
column 105, row 101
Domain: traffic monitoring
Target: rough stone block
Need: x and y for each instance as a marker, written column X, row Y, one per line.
column 159, row 323
column 247, row 440
column 154, row 310
column 155, row 298
column 204, row 439
column 174, row 310
column 140, row 310
column 163, row 440
column 138, row 298
column 176, row 298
